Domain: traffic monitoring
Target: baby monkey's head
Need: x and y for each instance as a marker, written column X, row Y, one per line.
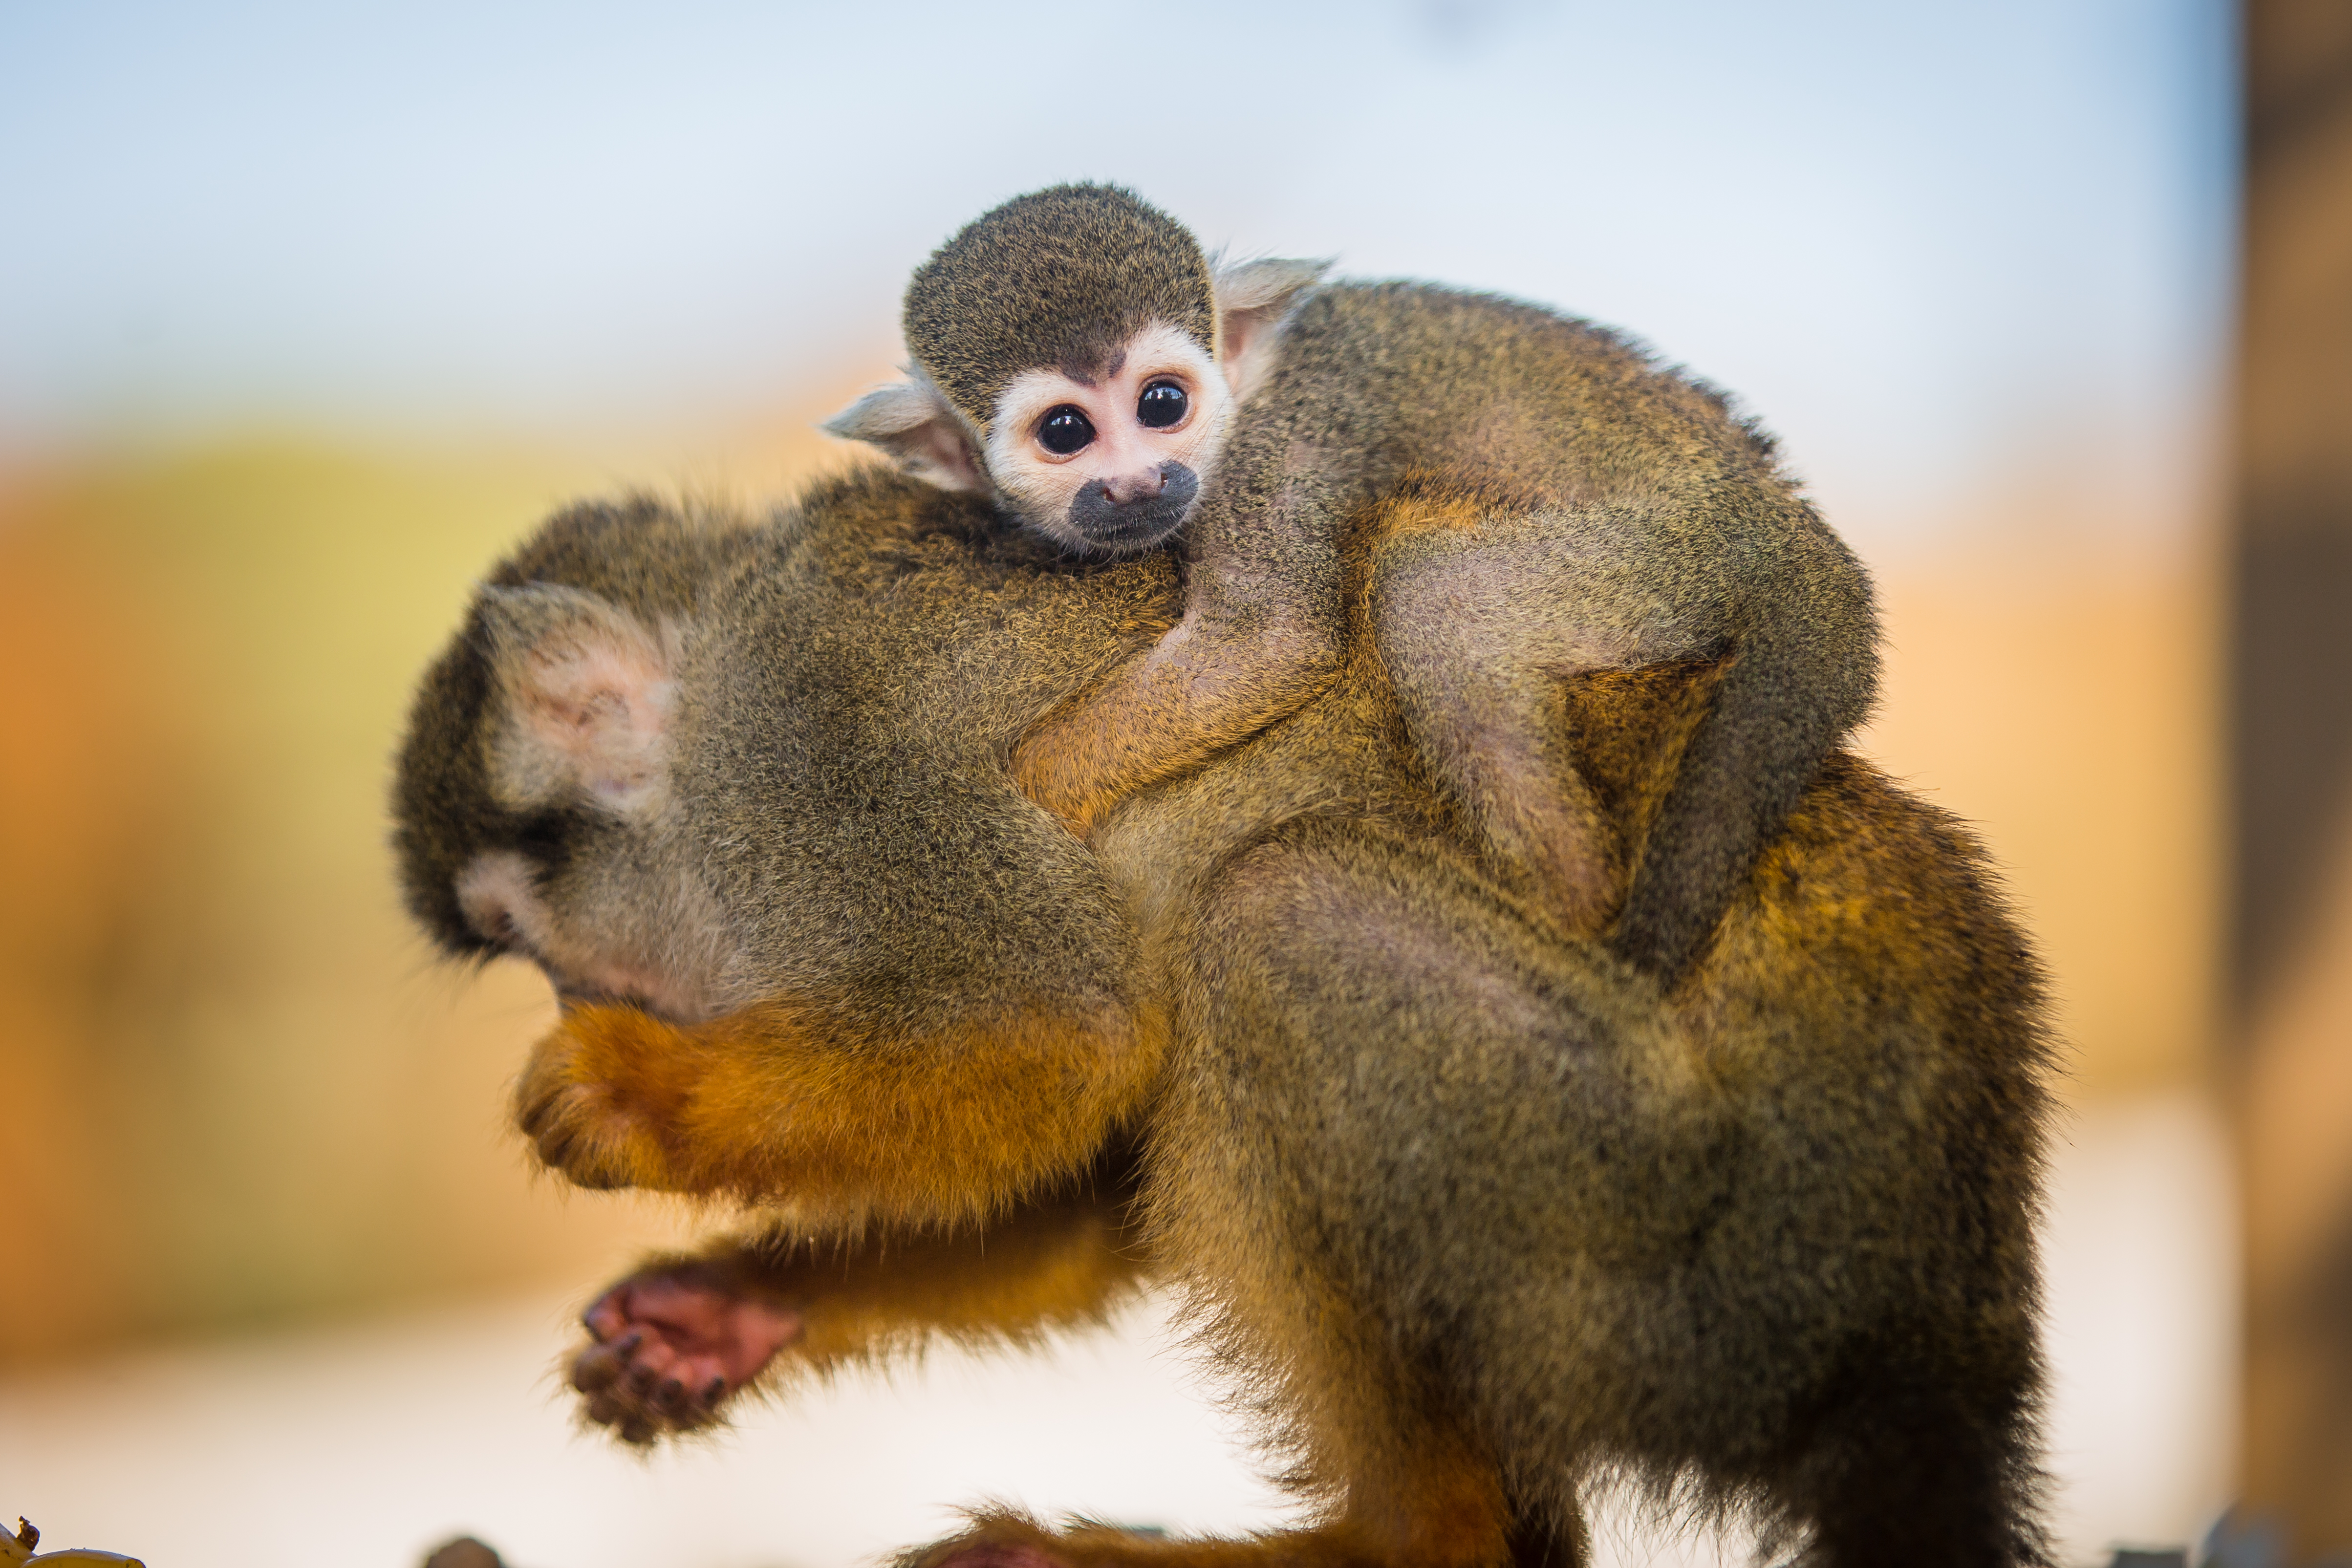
column 1075, row 352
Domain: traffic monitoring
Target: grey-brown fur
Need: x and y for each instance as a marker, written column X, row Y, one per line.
column 877, row 791
column 884, row 765
column 1474, row 1212
column 1628, row 502
column 1058, row 277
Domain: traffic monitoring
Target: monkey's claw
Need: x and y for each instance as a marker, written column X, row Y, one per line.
column 669, row 1344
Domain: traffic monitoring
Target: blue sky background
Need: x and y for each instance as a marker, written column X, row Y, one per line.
column 1934, row 246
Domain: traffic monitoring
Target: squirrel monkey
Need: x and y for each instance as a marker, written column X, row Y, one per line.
column 1477, row 1214
column 1076, row 358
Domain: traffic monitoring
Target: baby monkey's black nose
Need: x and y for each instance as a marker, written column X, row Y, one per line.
column 1123, row 516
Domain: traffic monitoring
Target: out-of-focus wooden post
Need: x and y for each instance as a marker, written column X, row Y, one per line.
column 2291, row 703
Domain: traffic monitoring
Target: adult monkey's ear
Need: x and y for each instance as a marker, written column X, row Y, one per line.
column 915, row 424
column 589, row 692
column 1253, row 299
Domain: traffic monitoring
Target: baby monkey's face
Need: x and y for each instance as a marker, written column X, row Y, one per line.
column 1111, row 457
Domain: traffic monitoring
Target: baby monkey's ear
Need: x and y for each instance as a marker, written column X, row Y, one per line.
column 589, row 694
column 914, row 423
column 1253, row 299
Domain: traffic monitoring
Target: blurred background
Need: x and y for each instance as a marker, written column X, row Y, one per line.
column 306, row 313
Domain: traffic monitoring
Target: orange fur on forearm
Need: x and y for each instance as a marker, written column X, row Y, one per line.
column 1013, row 1281
column 800, row 1105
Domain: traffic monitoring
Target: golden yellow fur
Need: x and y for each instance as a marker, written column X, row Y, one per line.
column 812, row 1106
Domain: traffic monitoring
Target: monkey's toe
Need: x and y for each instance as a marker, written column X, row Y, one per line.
column 597, row 1368
column 637, row 1404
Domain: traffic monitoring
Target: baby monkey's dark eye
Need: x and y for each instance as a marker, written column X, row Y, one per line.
column 1064, row 430
column 1163, row 404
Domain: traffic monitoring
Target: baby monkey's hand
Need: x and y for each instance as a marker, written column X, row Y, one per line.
column 671, row 1343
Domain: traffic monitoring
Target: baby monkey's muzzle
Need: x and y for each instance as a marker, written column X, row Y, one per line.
column 1126, row 524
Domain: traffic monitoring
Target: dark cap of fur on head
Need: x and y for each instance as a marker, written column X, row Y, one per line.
column 1060, row 276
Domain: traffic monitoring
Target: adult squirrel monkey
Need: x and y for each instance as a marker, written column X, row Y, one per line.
column 1474, row 1213
column 1076, row 358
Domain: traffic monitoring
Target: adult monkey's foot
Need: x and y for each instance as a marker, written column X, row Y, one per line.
column 671, row 1343
column 1004, row 1539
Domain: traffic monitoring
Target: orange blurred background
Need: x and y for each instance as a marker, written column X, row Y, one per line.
column 242, row 1092
column 244, row 1108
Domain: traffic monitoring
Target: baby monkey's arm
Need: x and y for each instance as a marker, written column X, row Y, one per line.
column 673, row 1341
column 1262, row 635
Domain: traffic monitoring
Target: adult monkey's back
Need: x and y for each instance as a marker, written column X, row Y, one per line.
column 1477, row 1211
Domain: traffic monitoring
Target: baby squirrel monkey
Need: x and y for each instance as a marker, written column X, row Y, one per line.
column 1075, row 354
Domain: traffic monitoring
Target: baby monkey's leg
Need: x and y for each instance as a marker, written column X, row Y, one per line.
column 1636, row 817
column 1485, row 614
column 1481, row 627
column 671, row 1341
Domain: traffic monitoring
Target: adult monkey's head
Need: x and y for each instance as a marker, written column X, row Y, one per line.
column 1075, row 352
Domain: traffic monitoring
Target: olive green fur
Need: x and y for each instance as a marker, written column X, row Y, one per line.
column 1060, row 276
column 849, row 705
column 887, row 746
column 1620, row 513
